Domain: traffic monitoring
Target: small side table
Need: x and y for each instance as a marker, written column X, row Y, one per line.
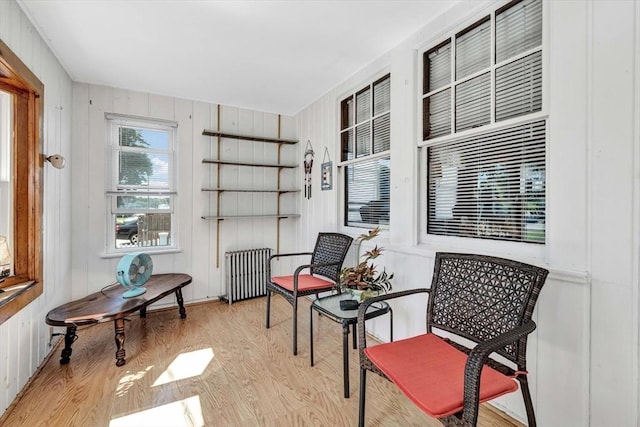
column 330, row 307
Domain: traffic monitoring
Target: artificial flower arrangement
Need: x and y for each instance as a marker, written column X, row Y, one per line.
column 364, row 279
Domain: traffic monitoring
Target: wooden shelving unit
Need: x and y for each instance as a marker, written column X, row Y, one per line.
column 220, row 163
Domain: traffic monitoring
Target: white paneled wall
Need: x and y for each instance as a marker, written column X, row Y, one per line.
column 92, row 270
column 584, row 356
column 24, row 339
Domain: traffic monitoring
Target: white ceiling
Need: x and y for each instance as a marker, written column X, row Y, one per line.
column 274, row 56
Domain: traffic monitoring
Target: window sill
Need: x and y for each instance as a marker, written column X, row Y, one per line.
column 16, row 296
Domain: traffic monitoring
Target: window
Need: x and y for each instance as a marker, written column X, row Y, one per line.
column 20, row 174
column 365, row 135
column 141, row 197
column 483, row 129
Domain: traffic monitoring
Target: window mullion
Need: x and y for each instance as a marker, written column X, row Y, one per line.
column 453, row 85
column 492, row 79
column 371, row 112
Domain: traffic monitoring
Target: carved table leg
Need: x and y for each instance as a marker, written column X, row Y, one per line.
column 183, row 312
column 119, row 326
column 69, row 338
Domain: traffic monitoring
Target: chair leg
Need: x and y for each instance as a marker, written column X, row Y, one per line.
column 524, row 386
column 268, row 307
column 363, row 389
column 295, row 326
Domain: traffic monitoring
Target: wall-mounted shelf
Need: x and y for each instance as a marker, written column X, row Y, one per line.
column 279, row 216
column 229, row 190
column 248, row 137
column 219, row 166
column 263, row 165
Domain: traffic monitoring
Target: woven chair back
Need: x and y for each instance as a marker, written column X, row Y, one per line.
column 479, row 297
column 330, row 248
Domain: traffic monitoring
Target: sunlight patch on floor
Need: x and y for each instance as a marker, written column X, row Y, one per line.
column 186, row 365
column 182, row 413
column 127, row 381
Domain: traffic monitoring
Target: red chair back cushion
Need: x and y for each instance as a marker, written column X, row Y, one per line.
column 430, row 373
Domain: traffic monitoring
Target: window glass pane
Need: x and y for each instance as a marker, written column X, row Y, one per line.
column 6, row 126
column 518, row 29
column 143, row 158
column 140, row 230
column 363, row 106
column 146, row 169
column 382, row 96
column 347, row 144
column 363, row 140
column 346, row 113
column 367, row 190
column 473, row 103
column 143, row 202
column 473, row 50
column 519, row 87
column 436, row 110
column 381, row 134
column 489, row 186
column 437, row 68
column 6, row 187
column 144, row 138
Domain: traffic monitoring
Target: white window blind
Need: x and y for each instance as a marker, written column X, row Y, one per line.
column 366, row 141
column 518, row 29
column 490, row 185
column 473, row 49
column 473, row 103
column 367, row 192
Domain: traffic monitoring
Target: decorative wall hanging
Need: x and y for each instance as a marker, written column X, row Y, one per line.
column 308, row 163
column 326, row 171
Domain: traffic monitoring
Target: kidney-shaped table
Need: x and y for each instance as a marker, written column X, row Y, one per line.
column 108, row 304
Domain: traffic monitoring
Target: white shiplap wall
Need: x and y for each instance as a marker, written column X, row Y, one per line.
column 24, row 338
column 584, row 356
column 197, row 237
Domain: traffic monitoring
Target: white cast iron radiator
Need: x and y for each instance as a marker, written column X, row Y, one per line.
column 246, row 274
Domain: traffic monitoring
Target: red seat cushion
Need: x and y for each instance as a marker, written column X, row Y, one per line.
column 431, row 373
column 306, row 282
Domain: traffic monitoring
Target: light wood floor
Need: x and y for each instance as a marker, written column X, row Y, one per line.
column 243, row 375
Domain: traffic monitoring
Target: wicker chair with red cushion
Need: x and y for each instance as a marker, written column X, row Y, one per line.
column 323, row 274
column 486, row 300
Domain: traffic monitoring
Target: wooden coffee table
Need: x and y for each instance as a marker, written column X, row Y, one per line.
column 108, row 304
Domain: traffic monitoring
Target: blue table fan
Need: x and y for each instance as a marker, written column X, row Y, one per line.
column 132, row 272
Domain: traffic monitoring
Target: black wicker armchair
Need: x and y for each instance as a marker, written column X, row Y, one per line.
column 324, row 275
column 484, row 299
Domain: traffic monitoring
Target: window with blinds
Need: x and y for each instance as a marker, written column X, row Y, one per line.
column 365, row 135
column 141, row 192
column 491, row 186
column 489, row 183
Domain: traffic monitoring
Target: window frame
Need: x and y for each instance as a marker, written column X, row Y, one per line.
column 424, row 143
column 26, row 176
column 372, row 155
column 113, row 189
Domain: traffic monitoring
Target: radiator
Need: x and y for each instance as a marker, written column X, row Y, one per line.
column 246, row 274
